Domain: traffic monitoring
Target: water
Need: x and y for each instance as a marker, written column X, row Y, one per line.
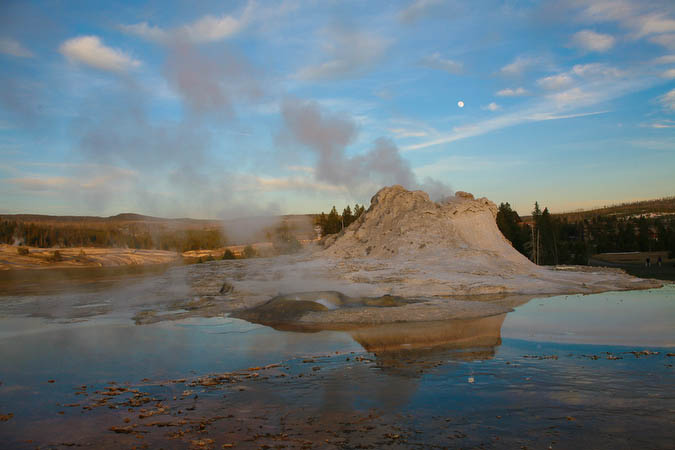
column 558, row 372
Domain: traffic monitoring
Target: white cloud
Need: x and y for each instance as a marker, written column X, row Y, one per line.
column 519, row 65
column 12, row 47
column 349, row 52
column 665, row 40
column 670, row 74
column 640, row 18
column 95, row 178
column 405, row 132
column 555, row 82
column 146, row 31
column 418, row 9
column 593, row 42
column 539, row 117
column 665, row 59
column 666, row 123
column 654, row 24
column 90, row 50
column 668, row 100
column 596, row 70
column 509, row 92
column 436, row 61
column 492, row 107
column 208, row 28
column 211, row 28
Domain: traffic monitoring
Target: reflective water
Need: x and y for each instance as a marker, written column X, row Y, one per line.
column 559, row 372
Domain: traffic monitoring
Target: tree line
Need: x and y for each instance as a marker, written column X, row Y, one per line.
column 550, row 240
column 333, row 222
column 130, row 236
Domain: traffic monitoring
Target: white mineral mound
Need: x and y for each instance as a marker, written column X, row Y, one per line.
column 408, row 223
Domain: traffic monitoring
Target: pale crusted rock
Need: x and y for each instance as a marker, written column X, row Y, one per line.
column 402, row 222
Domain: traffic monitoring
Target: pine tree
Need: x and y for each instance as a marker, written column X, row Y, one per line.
column 347, row 217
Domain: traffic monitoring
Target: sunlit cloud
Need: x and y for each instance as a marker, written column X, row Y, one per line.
column 510, row 92
column 89, row 50
column 591, row 41
column 209, row 28
column 520, row 65
column 492, row 107
column 555, row 82
column 668, row 100
column 665, row 59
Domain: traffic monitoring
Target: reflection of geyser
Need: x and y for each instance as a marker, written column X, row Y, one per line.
column 404, row 353
column 463, row 339
column 456, row 334
column 396, row 344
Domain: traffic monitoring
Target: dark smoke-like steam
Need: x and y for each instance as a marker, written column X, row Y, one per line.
column 327, row 137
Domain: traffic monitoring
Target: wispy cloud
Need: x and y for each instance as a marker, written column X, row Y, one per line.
column 463, row 163
column 520, row 65
column 492, row 107
column 438, row 62
column 665, row 40
column 209, row 28
column 418, row 9
column 555, row 82
column 91, row 51
column 406, row 133
column 660, row 124
column 641, row 19
column 591, row 41
column 347, row 53
column 665, row 59
column 668, row 100
column 512, row 92
column 12, row 47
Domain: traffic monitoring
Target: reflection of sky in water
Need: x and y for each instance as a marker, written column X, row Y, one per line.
column 622, row 318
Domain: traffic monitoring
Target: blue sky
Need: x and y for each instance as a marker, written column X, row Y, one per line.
column 239, row 108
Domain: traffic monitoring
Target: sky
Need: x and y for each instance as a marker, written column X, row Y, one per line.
column 229, row 109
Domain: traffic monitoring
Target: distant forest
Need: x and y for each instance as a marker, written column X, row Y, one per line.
column 139, row 236
column 571, row 238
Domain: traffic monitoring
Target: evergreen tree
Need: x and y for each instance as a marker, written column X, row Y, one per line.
column 347, row 217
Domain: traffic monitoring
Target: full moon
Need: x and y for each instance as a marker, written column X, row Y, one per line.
column 460, row 104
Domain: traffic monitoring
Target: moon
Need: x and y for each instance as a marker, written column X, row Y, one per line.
column 460, row 104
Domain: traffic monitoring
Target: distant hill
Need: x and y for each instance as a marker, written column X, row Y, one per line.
column 654, row 207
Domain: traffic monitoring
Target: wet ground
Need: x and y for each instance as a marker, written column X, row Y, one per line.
column 592, row 371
